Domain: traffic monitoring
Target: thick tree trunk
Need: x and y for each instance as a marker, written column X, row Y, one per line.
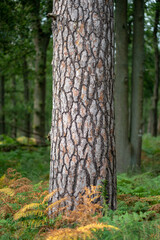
column 82, row 132
column 154, row 110
column 27, row 123
column 2, row 102
column 137, row 83
column 121, row 88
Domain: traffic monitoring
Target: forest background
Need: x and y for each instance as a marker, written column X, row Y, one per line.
column 26, row 109
column 20, row 51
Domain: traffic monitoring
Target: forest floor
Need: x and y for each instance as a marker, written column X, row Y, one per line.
column 137, row 216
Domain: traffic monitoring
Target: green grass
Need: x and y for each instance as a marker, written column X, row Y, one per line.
column 134, row 216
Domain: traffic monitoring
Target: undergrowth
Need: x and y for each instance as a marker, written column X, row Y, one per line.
column 24, row 201
column 31, row 161
column 25, row 208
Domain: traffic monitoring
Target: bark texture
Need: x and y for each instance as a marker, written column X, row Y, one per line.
column 82, row 131
column 154, row 110
column 137, row 83
column 121, row 88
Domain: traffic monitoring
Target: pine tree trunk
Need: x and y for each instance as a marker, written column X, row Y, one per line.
column 154, row 110
column 82, row 132
column 121, row 88
column 27, row 120
column 137, row 83
column 2, row 102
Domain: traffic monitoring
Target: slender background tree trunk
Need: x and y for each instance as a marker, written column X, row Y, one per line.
column 2, row 102
column 27, row 124
column 41, row 36
column 154, row 110
column 82, row 132
column 41, row 44
column 121, row 88
column 137, row 83
column 14, row 114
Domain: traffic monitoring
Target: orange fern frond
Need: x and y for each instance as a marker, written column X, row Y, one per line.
column 29, row 213
column 22, row 211
column 20, row 182
column 12, row 173
column 5, row 208
column 3, row 181
column 155, row 207
column 83, row 232
column 129, row 199
column 52, row 206
column 25, row 188
column 45, row 193
column 7, row 191
column 46, row 198
column 86, row 209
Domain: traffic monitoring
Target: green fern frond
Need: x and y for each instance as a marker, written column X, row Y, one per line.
column 37, row 223
column 32, row 223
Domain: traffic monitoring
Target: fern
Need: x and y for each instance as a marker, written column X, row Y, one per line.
column 3, row 181
column 53, row 205
column 33, row 224
column 7, row 191
column 155, row 207
column 87, row 210
column 20, row 182
column 36, row 212
column 23, row 212
column 14, row 190
column 129, row 199
column 46, row 198
column 83, row 232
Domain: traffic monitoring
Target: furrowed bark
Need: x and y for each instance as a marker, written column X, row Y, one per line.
column 82, row 131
